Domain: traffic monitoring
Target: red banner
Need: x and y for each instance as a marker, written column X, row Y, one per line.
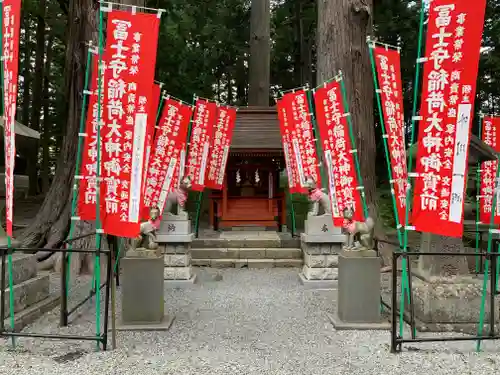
column 169, row 141
column 337, row 148
column 388, row 64
column 10, row 51
column 153, row 112
column 130, row 55
column 490, row 136
column 219, row 152
column 284, row 115
column 449, row 88
column 201, row 135
column 302, row 137
column 87, row 188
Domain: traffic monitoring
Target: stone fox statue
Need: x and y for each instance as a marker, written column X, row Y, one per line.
column 361, row 231
column 318, row 198
column 179, row 196
column 147, row 236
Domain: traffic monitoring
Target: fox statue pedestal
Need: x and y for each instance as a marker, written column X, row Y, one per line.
column 142, row 291
column 174, row 238
column 320, row 244
column 359, row 289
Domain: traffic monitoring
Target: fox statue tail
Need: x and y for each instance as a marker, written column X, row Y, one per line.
column 370, row 224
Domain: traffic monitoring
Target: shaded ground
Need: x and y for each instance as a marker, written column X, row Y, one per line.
column 250, row 322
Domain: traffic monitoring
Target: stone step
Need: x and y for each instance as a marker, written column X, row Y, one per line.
column 33, row 312
column 253, row 242
column 23, row 268
column 246, row 253
column 28, row 293
column 250, row 263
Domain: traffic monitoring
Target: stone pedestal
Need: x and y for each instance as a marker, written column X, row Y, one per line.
column 320, row 244
column 359, row 289
column 142, row 292
column 175, row 237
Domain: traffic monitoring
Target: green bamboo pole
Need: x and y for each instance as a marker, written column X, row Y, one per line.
column 9, row 239
column 76, row 183
column 413, row 118
column 410, row 161
column 405, row 282
column 353, row 145
column 325, row 83
column 478, row 193
column 160, row 107
column 98, row 224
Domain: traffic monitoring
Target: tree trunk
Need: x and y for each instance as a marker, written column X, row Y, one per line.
column 37, row 95
column 260, row 53
column 45, row 173
column 343, row 26
column 25, row 114
column 241, row 80
column 51, row 223
column 298, row 63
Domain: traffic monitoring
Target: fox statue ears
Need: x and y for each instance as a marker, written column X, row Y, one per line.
column 310, row 182
column 348, row 208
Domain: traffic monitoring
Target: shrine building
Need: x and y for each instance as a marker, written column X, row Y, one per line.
column 252, row 195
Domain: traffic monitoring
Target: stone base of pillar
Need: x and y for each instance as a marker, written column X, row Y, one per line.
column 178, row 271
column 142, row 292
column 320, row 246
column 359, row 289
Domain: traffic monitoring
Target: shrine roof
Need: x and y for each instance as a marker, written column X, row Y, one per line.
column 257, row 127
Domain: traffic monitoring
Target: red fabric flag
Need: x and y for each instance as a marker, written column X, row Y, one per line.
column 490, row 136
column 449, row 88
column 337, row 148
column 201, row 135
column 219, row 152
column 130, row 55
column 86, row 207
column 169, row 142
column 302, row 137
column 11, row 24
column 388, row 64
column 284, row 116
column 153, row 111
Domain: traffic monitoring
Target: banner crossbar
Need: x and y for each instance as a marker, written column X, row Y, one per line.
column 372, row 42
column 131, row 6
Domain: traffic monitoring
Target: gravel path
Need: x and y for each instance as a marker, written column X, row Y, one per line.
column 250, row 322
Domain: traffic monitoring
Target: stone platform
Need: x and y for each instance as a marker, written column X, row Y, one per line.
column 31, row 291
